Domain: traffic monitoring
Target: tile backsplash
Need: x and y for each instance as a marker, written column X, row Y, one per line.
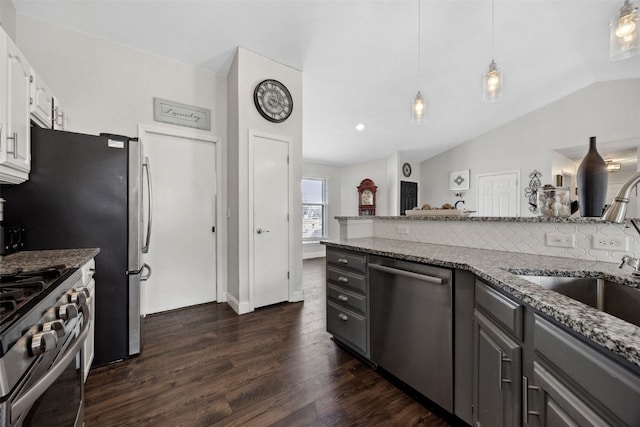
column 541, row 238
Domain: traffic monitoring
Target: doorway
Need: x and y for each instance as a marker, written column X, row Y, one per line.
column 498, row 194
column 269, row 228
column 408, row 196
column 182, row 250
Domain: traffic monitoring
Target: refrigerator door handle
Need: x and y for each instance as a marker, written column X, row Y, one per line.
column 142, row 277
column 146, row 167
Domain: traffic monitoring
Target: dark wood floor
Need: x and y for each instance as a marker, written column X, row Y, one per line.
column 206, row 366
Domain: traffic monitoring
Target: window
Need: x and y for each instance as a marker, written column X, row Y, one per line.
column 314, row 208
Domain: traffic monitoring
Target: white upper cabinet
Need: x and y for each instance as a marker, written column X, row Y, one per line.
column 41, row 101
column 15, row 82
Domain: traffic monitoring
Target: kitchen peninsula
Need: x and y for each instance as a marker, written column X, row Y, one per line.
column 519, row 335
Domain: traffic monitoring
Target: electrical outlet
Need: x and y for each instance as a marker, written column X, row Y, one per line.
column 610, row 243
column 561, row 240
column 402, row 229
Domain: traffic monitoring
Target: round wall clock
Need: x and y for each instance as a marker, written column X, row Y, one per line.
column 273, row 100
column 406, row 170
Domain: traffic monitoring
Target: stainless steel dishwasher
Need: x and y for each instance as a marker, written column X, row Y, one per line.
column 411, row 325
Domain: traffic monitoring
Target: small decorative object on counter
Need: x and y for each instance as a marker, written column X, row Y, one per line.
column 593, row 179
column 554, row 201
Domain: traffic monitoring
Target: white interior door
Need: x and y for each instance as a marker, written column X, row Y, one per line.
column 270, row 221
column 182, row 252
column 498, row 194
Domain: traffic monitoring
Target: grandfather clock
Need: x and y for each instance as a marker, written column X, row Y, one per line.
column 367, row 198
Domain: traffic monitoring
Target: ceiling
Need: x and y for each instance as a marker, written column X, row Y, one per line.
column 360, row 58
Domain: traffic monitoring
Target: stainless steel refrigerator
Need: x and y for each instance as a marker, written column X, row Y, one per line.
column 87, row 191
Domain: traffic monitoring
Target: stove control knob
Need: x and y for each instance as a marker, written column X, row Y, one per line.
column 84, row 290
column 78, row 298
column 43, row 342
column 55, row 326
column 67, row 311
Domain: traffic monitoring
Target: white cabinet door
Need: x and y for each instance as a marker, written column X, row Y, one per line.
column 15, row 147
column 41, row 102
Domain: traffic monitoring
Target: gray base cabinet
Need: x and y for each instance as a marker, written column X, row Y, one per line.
column 347, row 299
column 497, row 373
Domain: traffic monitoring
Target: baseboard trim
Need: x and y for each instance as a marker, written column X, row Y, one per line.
column 239, row 307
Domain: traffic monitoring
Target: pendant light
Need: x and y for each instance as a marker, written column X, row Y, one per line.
column 623, row 39
column 418, row 107
column 492, row 81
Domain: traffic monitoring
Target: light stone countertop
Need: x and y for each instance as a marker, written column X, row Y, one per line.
column 621, row 337
column 544, row 219
column 34, row 260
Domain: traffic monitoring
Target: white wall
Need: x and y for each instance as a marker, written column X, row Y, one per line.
column 352, row 176
column 250, row 69
column 607, row 110
column 8, row 18
column 107, row 87
column 332, row 175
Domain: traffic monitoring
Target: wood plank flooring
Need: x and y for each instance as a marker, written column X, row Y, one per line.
column 277, row 366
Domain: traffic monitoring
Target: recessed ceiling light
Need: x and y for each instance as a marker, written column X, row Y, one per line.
column 360, row 127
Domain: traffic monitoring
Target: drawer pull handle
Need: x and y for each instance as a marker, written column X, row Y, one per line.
column 343, row 298
column 525, row 400
column 343, row 261
column 343, row 317
column 343, row 279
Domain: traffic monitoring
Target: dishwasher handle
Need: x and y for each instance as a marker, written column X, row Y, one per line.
column 417, row 276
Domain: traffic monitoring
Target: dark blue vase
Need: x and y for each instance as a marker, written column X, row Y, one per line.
column 593, row 179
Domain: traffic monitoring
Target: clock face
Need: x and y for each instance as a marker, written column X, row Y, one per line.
column 367, row 197
column 406, row 170
column 273, row 101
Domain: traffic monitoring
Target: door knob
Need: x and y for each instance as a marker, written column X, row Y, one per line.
column 261, row 230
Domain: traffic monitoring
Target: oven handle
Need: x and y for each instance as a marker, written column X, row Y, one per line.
column 26, row 401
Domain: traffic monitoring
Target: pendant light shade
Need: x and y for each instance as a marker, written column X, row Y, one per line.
column 623, row 39
column 492, row 83
column 418, row 109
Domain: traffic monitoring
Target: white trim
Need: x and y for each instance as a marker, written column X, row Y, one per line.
column 253, row 134
column 221, row 194
column 239, row 307
column 296, row 296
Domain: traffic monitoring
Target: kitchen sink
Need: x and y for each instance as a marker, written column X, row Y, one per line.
column 613, row 298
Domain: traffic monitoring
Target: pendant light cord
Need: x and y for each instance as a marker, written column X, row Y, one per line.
column 492, row 30
column 419, row 49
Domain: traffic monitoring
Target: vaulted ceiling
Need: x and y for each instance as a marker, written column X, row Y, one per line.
column 360, row 58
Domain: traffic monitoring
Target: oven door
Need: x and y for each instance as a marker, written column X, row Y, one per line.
column 53, row 394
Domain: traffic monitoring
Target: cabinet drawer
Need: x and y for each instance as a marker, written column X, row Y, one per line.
column 608, row 383
column 347, row 299
column 346, row 278
column 345, row 259
column 508, row 313
column 347, row 326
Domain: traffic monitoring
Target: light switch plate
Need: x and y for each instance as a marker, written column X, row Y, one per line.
column 559, row 240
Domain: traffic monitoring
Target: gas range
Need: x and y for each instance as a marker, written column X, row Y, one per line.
column 21, row 290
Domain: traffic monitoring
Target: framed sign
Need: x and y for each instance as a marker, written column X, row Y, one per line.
column 181, row 114
column 459, row 180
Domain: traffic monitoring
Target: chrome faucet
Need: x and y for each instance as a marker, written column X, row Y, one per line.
column 617, row 212
column 633, row 262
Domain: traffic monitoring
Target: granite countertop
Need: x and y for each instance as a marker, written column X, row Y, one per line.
column 33, row 260
column 500, row 268
column 546, row 219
